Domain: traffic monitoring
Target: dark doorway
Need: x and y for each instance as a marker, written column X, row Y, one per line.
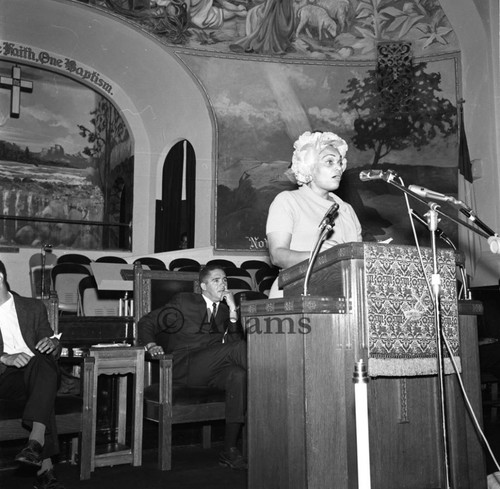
column 175, row 210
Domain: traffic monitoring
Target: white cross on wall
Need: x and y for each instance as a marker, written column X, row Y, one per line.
column 16, row 86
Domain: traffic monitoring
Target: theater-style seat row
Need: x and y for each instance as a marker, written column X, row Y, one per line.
column 63, row 274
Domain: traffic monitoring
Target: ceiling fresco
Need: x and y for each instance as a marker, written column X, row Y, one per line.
column 317, row 29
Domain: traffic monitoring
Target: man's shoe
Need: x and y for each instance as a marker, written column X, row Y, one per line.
column 31, row 454
column 233, row 459
column 47, row 480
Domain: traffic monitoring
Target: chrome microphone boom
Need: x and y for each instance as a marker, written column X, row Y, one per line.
column 430, row 194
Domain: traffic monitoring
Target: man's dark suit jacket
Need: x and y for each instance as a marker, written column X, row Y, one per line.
column 182, row 325
column 33, row 321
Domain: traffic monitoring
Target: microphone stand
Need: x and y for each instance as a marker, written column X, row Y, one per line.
column 42, row 284
column 325, row 230
column 484, row 231
column 432, row 221
column 451, row 244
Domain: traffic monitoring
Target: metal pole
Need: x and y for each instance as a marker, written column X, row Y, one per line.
column 432, row 220
column 360, row 379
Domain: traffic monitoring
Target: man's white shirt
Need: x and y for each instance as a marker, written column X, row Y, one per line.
column 13, row 341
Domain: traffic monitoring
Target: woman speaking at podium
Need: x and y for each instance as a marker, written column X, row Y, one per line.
column 294, row 217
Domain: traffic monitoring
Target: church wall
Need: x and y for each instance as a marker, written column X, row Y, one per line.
column 163, row 104
column 476, row 25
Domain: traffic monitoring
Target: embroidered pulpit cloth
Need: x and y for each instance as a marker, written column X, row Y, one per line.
column 400, row 310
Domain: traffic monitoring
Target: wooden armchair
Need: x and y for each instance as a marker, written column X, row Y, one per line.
column 163, row 403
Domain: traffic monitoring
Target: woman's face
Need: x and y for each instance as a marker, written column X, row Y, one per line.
column 327, row 171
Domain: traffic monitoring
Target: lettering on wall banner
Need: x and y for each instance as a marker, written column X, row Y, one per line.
column 20, row 52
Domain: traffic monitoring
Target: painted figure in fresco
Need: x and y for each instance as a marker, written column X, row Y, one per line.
column 271, row 25
column 318, row 163
column 208, row 14
column 269, row 28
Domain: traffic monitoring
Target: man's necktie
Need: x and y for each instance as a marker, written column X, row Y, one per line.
column 213, row 327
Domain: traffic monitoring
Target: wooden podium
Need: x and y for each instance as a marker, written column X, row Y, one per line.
column 301, row 410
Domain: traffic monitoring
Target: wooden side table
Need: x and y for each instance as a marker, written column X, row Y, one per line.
column 114, row 361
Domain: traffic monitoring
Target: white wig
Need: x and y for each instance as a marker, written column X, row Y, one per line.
column 307, row 149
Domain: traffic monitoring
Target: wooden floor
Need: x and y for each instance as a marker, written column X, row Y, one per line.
column 193, row 467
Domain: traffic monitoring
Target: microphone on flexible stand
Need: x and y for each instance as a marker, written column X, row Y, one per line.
column 430, row 194
column 325, row 228
column 44, row 249
column 462, row 207
column 387, row 175
column 329, row 216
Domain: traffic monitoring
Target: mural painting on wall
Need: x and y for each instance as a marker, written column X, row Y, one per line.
column 261, row 108
column 286, row 66
column 262, row 105
column 321, row 29
column 65, row 160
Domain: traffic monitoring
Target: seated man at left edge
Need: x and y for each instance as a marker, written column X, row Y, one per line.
column 29, row 372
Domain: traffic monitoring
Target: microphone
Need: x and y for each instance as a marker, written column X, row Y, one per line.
column 429, row 194
column 367, row 175
column 329, row 216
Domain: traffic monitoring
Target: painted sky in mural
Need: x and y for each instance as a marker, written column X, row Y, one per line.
column 49, row 169
column 48, row 113
column 272, row 104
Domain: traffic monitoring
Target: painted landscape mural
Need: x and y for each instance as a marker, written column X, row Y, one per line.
column 257, row 126
column 66, row 161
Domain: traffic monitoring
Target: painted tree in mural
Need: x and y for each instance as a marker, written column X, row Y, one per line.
column 108, row 130
column 376, row 129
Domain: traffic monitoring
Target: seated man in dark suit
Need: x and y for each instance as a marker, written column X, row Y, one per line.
column 29, row 372
column 203, row 334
